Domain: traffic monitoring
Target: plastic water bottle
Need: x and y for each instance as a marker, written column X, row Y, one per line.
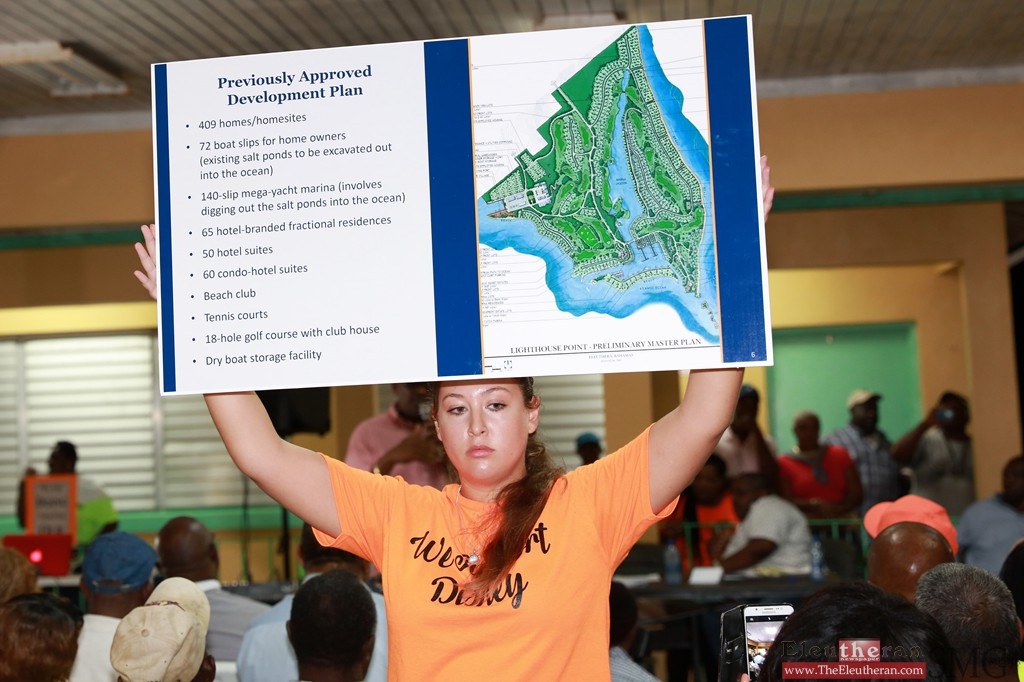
column 817, row 559
column 673, row 564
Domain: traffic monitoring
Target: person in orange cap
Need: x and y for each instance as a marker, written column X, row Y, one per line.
column 902, row 553
column 911, row 508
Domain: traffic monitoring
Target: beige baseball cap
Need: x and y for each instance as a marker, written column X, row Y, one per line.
column 861, row 396
column 186, row 593
column 164, row 640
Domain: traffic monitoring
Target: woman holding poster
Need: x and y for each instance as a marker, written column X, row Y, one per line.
column 509, row 569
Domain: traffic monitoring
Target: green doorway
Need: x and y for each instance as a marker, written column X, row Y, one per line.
column 816, row 368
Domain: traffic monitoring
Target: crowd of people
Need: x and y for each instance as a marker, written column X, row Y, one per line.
column 751, row 523
column 187, row 627
column 836, row 480
column 751, row 520
column 757, row 512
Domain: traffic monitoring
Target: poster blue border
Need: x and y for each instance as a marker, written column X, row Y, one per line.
column 737, row 234
column 457, row 323
column 163, row 189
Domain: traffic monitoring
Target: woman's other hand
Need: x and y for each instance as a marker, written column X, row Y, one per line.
column 147, row 259
column 767, row 190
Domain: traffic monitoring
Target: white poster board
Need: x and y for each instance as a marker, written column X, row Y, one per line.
column 527, row 204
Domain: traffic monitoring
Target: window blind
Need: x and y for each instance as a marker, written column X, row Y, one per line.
column 100, row 392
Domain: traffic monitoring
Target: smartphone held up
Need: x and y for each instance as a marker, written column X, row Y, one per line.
column 747, row 633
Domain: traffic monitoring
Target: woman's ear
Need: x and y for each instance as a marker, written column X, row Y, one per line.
column 533, row 414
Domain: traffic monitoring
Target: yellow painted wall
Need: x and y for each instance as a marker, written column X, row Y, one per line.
column 68, row 276
column 942, row 267
column 930, row 297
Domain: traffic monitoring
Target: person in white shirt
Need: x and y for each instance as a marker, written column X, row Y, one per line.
column 117, row 576
column 772, row 538
column 267, row 655
column 186, row 550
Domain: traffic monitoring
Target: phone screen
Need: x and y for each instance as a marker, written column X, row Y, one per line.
column 760, row 626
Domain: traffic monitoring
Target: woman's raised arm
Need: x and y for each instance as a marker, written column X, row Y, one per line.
column 681, row 441
column 296, row 478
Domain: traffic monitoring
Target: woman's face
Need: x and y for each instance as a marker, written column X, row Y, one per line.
column 484, row 426
column 807, row 430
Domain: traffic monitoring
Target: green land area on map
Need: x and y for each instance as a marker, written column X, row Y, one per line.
column 565, row 190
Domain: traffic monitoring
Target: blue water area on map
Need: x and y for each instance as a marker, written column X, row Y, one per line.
column 582, row 295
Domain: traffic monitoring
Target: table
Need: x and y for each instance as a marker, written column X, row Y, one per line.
column 50, row 581
column 760, row 589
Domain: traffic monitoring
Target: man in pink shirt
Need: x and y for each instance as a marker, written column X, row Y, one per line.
column 745, row 449
column 400, row 442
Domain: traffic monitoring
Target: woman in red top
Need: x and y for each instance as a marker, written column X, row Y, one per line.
column 820, row 479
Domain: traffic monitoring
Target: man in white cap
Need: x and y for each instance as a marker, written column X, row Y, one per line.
column 869, row 448
column 165, row 639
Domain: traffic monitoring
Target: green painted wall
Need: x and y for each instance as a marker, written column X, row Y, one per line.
column 816, row 368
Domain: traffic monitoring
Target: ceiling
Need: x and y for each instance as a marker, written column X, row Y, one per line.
column 801, row 46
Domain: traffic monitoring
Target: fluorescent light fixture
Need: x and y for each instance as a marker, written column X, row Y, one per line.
column 559, row 21
column 60, row 68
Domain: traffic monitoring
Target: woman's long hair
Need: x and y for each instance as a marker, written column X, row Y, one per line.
column 519, row 505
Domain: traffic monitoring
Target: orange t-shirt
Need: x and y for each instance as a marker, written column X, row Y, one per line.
column 549, row 618
column 722, row 513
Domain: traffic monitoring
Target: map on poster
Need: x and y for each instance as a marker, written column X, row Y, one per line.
column 526, row 204
column 614, row 198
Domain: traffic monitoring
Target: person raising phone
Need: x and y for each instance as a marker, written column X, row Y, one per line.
column 508, row 569
column 939, row 452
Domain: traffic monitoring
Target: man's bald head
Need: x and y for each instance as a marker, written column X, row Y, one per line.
column 902, row 553
column 186, row 550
